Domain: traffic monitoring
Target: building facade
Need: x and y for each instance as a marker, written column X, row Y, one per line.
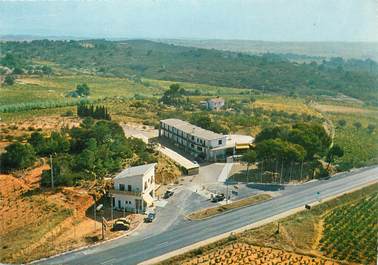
column 134, row 188
column 194, row 140
column 215, row 103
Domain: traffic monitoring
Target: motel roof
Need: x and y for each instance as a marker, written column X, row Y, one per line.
column 191, row 129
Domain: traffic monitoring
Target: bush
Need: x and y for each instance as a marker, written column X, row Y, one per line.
column 9, row 80
column 18, row 156
column 68, row 113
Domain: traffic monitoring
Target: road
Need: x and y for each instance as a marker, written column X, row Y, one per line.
column 147, row 244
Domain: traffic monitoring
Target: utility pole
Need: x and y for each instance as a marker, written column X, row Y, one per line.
column 94, row 214
column 111, row 207
column 226, row 192
column 52, row 172
column 103, row 227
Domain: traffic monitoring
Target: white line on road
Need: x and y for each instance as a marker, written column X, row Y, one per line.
column 166, row 243
column 109, row 261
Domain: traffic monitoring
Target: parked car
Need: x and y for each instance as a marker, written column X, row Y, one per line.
column 120, row 225
column 218, row 197
column 124, row 220
column 150, row 217
column 168, row 194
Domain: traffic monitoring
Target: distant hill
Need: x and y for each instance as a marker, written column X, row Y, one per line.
column 347, row 50
column 140, row 58
column 36, row 37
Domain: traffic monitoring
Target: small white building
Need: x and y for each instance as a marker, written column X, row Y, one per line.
column 215, row 103
column 134, row 188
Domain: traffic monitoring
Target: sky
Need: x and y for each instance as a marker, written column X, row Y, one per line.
column 268, row 20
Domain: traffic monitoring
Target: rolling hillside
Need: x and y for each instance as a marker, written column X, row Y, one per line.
column 141, row 58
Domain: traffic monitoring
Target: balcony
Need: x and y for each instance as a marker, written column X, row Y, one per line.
column 125, row 192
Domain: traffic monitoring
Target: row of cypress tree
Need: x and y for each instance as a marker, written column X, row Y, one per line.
column 96, row 112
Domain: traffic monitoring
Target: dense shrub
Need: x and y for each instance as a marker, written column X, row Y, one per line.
column 18, row 156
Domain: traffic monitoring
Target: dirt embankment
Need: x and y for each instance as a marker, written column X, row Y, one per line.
column 36, row 222
column 166, row 172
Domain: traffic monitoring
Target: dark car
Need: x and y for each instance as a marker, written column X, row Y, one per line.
column 168, row 194
column 218, row 197
column 150, row 217
column 120, row 225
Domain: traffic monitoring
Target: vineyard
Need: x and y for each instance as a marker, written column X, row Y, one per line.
column 350, row 232
column 340, row 231
column 17, row 107
column 242, row 253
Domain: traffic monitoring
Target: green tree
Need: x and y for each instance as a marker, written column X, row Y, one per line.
column 174, row 96
column 85, row 160
column 9, row 80
column 18, row 156
column 57, row 143
column 249, row 157
column 357, row 124
column 47, row 70
column 371, row 128
column 83, row 90
column 62, row 170
column 38, row 141
column 334, row 151
column 341, row 123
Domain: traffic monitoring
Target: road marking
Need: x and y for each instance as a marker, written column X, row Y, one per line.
column 109, row 261
column 166, row 243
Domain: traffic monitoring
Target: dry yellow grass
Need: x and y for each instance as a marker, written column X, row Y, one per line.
column 166, row 171
column 341, row 109
column 286, row 104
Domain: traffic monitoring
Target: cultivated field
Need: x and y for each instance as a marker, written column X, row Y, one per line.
column 347, row 231
column 244, row 254
column 342, row 230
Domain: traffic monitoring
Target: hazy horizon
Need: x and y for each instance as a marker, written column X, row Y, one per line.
column 257, row 20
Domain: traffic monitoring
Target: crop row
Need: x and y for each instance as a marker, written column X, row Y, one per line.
column 16, row 107
column 350, row 231
column 241, row 253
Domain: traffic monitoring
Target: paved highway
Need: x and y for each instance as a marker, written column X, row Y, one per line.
column 144, row 246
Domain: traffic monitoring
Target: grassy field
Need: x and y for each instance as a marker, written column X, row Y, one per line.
column 39, row 89
column 47, row 96
column 360, row 144
column 304, row 233
column 205, row 213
